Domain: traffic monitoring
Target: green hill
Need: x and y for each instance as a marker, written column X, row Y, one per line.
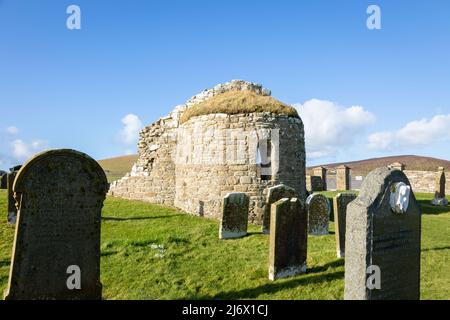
column 115, row 168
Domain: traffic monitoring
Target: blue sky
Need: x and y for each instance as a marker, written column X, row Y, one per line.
column 376, row 92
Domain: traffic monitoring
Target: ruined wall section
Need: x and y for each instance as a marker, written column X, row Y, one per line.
column 152, row 178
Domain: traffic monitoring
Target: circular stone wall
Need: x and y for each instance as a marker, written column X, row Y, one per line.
column 218, row 153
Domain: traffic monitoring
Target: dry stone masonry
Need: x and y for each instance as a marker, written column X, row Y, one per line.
column 382, row 249
column 343, row 178
column 56, row 251
column 273, row 195
column 288, row 239
column 177, row 159
column 319, row 209
column 340, row 203
column 234, row 220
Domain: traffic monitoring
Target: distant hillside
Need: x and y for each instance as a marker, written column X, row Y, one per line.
column 412, row 163
column 117, row 167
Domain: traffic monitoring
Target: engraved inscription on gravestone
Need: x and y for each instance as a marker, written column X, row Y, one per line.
column 383, row 229
column 60, row 195
column 318, row 214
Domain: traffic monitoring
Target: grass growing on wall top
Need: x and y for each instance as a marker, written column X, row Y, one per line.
column 237, row 102
column 153, row 252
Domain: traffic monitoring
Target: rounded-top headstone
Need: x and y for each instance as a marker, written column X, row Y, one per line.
column 274, row 194
column 383, row 232
column 318, row 214
column 56, row 253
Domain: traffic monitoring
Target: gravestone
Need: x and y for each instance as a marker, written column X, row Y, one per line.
column 439, row 193
column 382, row 250
column 319, row 209
column 341, row 202
column 12, row 209
column 56, row 252
column 273, row 195
column 315, row 183
column 3, row 180
column 322, row 173
column 288, row 239
column 234, row 220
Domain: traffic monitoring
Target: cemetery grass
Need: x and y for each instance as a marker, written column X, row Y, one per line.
column 155, row 252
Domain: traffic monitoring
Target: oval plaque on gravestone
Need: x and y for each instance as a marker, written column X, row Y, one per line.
column 56, row 252
column 318, row 214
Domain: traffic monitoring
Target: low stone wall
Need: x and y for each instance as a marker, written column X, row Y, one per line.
column 421, row 181
column 424, row 181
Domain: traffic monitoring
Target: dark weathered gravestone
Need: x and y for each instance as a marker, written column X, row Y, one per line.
column 319, row 209
column 3, row 180
column 316, row 183
column 273, row 195
column 12, row 209
column 340, row 212
column 288, row 239
column 234, row 220
column 382, row 249
column 56, row 252
column 439, row 193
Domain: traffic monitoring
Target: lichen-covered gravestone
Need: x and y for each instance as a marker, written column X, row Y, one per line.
column 341, row 202
column 234, row 220
column 318, row 214
column 273, row 195
column 382, row 250
column 3, row 180
column 56, row 252
column 288, row 239
column 12, row 209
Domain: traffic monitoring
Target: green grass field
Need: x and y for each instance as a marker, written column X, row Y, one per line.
column 153, row 252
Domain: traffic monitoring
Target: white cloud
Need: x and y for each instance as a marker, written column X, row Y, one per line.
column 12, row 130
column 130, row 132
column 381, row 140
column 415, row 133
column 22, row 150
column 330, row 127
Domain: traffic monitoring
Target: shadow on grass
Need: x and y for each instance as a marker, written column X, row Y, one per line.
column 108, row 253
column 4, row 263
column 428, row 208
column 274, row 287
column 141, row 218
column 436, row 249
column 325, row 267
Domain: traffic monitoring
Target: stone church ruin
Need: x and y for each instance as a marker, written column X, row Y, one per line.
column 232, row 138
